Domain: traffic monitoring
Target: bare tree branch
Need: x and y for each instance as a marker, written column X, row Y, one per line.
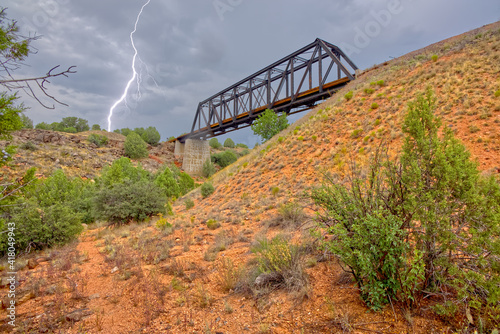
column 24, row 84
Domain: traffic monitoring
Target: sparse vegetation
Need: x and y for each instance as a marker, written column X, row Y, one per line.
column 98, row 140
column 208, row 168
column 135, row 147
column 387, row 204
column 207, row 189
column 348, row 96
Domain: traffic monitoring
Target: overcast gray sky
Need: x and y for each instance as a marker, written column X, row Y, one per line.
column 193, row 49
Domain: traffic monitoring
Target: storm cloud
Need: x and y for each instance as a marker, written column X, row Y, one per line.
column 191, row 49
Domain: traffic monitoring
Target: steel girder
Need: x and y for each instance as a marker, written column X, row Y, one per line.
column 300, row 79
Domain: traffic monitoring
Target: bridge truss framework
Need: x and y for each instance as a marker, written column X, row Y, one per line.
column 299, row 80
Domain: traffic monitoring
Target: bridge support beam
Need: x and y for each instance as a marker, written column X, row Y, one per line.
column 194, row 152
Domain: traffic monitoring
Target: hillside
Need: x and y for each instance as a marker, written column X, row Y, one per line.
column 50, row 150
column 187, row 279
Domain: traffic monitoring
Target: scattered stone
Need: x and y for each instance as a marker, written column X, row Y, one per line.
column 94, row 296
column 114, row 270
column 25, row 298
column 267, row 279
column 32, row 263
column 78, row 315
column 4, row 282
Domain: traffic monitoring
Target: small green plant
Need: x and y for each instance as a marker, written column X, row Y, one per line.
column 28, row 146
column 281, row 139
column 162, row 223
column 208, row 168
column 314, row 137
column 348, row 96
column 474, row 129
column 207, row 189
column 189, row 203
column 434, row 58
column 300, row 138
column 275, row 190
column 212, row 224
column 374, row 105
column 228, row 274
column 497, row 93
column 377, row 122
column 356, row 133
column 98, row 140
column 369, row 91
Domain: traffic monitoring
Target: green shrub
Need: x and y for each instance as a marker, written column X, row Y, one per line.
column 214, row 143
column 207, row 189
column 151, row 136
column 348, row 96
column 96, row 127
column 275, row 190
column 374, row 105
column 283, row 261
column 291, row 214
column 166, row 181
column 45, row 213
column 242, row 146
column 120, row 171
column 434, row 196
column 357, row 133
column 212, row 224
column 28, row 146
column 208, row 168
column 98, row 140
column 229, row 143
column 434, row 58
column 37, row 227
column 186, row 183
column 474, row 129
column 244, row 152
column 135, row 147
column 130, row 201
column 225, row 158
column 497, row 93
column 189, row 203
column 369, row 90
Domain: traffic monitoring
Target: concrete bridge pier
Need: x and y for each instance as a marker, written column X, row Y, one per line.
column 194, row 153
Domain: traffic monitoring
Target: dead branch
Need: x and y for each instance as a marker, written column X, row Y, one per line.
column 24, row 84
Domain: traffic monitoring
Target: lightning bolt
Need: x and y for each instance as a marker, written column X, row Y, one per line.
column 134, row 72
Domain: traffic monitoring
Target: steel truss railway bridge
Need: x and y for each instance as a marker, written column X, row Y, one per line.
column 293, row 84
